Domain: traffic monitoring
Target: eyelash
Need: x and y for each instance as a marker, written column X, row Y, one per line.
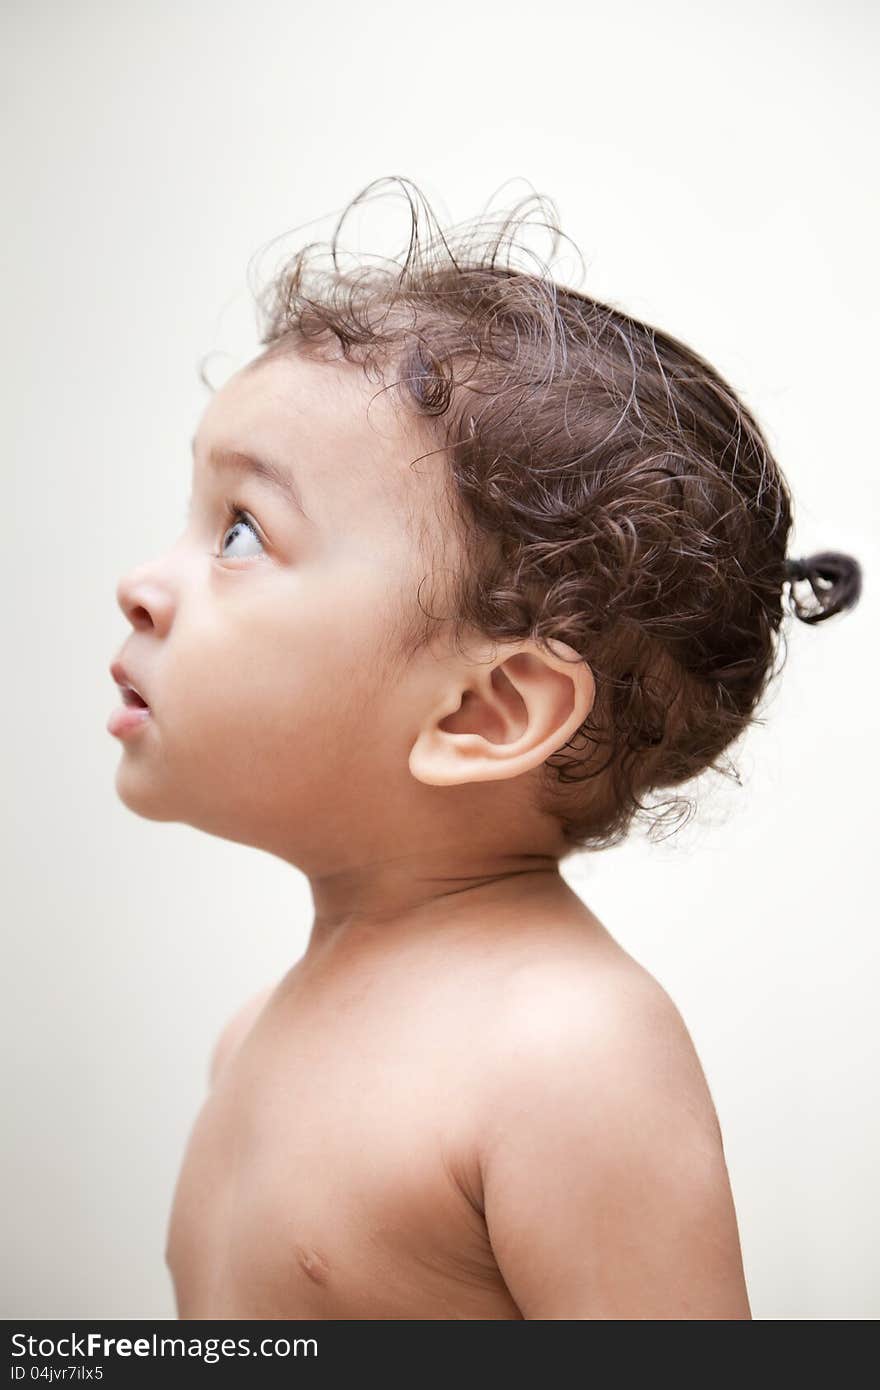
column 235, row 512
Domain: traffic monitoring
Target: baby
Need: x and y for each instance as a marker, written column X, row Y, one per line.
column 474, row 565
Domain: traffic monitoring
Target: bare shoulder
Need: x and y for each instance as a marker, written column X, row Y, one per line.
column 236, row 1028
column 605, row 1187
column 583, row 1005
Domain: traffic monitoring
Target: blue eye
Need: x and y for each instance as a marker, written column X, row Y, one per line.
column 238, row 519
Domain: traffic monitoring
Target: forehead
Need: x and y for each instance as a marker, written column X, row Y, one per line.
column 346, row 441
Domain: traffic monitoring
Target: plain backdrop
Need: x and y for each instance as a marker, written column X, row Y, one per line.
column 715, row 164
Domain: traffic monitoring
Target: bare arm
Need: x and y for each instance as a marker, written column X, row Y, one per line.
column 606, row 1192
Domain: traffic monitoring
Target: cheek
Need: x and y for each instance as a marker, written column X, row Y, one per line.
column 272, row 684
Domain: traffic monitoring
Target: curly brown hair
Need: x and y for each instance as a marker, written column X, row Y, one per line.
column 607, row 488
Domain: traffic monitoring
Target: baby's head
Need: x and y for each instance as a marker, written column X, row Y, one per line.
column 471, row 558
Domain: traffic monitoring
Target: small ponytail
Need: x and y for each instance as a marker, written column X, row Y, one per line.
column 835, row 579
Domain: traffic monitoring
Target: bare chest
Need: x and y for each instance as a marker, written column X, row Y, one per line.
column 329, row 1175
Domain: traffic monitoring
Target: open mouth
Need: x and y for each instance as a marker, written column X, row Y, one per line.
column 131, row 697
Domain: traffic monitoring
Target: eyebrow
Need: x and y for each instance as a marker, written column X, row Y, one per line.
column 271, row 473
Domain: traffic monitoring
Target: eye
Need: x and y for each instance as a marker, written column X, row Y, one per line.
column 239, row 524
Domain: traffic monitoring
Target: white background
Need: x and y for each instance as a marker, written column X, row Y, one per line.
column 716, row 166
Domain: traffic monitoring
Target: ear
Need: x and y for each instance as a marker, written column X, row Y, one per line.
column 503, row 718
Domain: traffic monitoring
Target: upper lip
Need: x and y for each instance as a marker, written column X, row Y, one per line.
column 125, row 681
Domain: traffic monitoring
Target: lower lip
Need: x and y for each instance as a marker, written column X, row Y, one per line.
column 126, row 720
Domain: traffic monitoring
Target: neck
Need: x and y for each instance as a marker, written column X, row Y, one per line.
column 417, row 892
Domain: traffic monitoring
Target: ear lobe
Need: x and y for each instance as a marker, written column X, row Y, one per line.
column 503, row 719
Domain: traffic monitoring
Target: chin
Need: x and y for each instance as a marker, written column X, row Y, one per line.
column 138, row 796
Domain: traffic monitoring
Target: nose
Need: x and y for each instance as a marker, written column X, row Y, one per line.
column 145, row 598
